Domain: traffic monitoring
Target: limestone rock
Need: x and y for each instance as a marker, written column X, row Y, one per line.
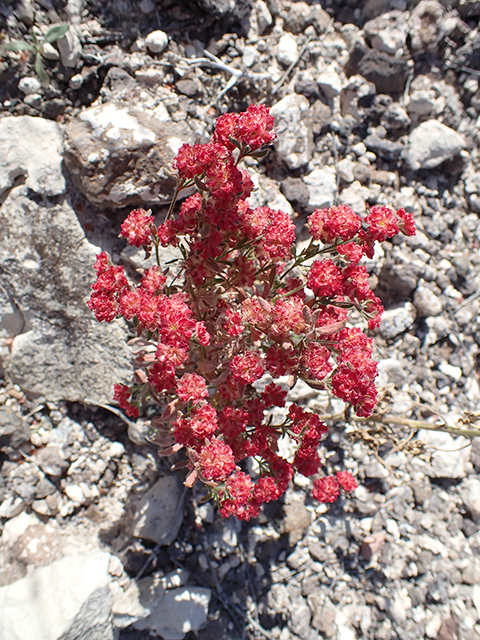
column 61, row 351
column 120, row 155
column 431, row 143
column 160, row 513
column 32, row 148
column 322, row 187
column 178, row 612
column 67, row 600
column 294, row 143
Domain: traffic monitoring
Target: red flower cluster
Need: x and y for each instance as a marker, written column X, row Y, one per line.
column 234, row 313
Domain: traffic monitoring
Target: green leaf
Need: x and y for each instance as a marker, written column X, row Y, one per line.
column 57, row 32
column 18, row 45
column 39, row 68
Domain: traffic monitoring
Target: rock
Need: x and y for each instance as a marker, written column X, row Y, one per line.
column 388, row 32
column 14, row 430
column 345, row 170
column 450, row 455
column 382, row 147
column 355, row 197
column 426, row 25
column 295, row 141
column 160, row 512
column 320, row 116
column 226, row 9
column 178, row 612
column 63, row 353
column 70, row 48
column 426, row 302
column 297, row 518
column 431, row 143
column 469, row 491
column 322, row 188
column 156, row 41
column 65, row 600
column 120, row 155
column 29, row 85
column 32, row 148
column 75, row 81
column 388, row 73
column 287, row 50
column 396, row 321
column 324, row 612
column 49, row 52
column 295, row 191
column 329, row 80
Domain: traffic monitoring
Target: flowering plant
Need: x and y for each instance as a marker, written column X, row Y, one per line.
column 247, row 315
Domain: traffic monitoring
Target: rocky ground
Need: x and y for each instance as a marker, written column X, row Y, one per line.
column 375, row 102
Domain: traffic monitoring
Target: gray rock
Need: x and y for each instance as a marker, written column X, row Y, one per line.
column 396, row 321
column 70, row 48
column 14, row 431
column 388, row 73
column 431, row 143
column 66, row 600
column 178, row 612
column 294, row 143
column 31, row 148
column 227, row 9
column 160, row 512
column 119, row 155
column 63, row 353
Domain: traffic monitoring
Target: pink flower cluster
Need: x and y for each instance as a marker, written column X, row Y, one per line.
column 245, row 311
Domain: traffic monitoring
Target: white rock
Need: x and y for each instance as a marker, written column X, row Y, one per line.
column 329, row 81
column 450, row 370
column 75, row 81
column 70, row 48
column 295, row 140
column 426, row 302
column 322, row 187
column 250, row 55
column 396, row 321
column 287, row 50
column 388, row 32
column 399, row 605
column 156, row 41
column 49, row 52
column 31, row 147
column 178, row 612
column 116, row 450
column 476, row 598
column 29, row 85
column 33, row 100
column 345, row 170
column 469, row 491
column 75, row 493
column 450, row 455
column 431, row 143
column 355, row 196
column 65, row 600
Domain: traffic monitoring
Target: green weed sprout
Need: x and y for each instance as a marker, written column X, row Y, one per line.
column 50, row 37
